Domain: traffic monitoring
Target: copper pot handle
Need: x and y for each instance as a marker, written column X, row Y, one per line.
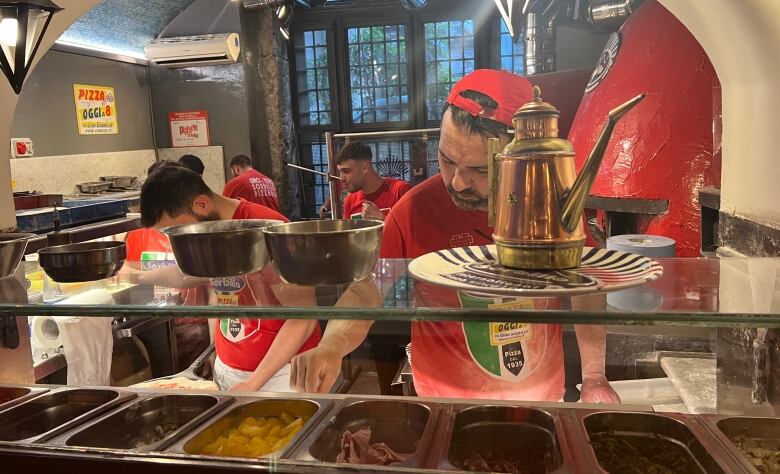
column 493, row 150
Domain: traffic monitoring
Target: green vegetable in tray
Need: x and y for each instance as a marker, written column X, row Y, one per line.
column 641, row 455
column 763, row 454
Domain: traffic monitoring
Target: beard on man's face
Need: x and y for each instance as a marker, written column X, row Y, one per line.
column 211, row 217
column 467, row 200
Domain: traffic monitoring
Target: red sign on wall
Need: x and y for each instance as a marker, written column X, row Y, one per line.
column 189, row 128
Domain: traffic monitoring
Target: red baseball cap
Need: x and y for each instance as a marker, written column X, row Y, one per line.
column 508, row 90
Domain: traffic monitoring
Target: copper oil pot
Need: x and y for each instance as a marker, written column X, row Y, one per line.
column 536, row 198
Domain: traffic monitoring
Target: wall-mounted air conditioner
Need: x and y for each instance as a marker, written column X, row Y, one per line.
column 201, row 50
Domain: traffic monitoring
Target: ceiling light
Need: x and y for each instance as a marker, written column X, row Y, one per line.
column 9, row 30
column 22, row 26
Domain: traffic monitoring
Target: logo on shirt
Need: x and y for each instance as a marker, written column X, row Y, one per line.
column 461, row 240
column 263, row 187
column 234, row 330
column 499, row 349
column 228, row 284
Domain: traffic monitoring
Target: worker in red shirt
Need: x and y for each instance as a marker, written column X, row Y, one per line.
column 370, row 196
column 152, row 250
column 250, row 184
column 466, row 360
column 252, row 354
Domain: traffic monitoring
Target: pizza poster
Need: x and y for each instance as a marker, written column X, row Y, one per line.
column 189, row 128
column 96, row 112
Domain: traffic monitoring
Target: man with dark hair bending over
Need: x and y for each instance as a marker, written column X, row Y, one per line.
column 252, row 354
column 250, row 184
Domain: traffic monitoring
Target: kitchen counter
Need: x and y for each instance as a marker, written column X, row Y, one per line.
column 558, row 434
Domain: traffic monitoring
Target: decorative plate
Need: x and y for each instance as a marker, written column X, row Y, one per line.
column 475, row 269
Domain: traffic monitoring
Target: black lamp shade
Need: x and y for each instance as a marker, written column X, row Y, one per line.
column 31, row 19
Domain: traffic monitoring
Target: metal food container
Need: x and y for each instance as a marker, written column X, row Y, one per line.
column 85, row 261
column 150, row 424
column 120, row 181
column 12, row 395
column 12, row 247
column 663, row 433
column 404, row 426
column 193, row 444
column 727, row 430
column 93, row 187
column 533, row 437
column 326, row 252
column 47, row 416
column 209, row 249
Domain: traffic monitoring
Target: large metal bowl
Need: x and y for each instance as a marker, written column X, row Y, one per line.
column 12, row 247
column 220, row 248
column 327, row 252
column 87, row 261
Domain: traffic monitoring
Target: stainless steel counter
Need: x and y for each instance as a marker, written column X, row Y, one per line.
column 440, row 432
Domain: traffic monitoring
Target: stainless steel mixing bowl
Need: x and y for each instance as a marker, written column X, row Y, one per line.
column 220, row 248
column 326, row 252
column 12, row 247
column 87, row 261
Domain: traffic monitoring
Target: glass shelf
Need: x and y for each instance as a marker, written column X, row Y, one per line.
column 715, row 292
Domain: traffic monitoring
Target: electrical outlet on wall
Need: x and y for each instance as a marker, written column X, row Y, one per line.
column 21, row 147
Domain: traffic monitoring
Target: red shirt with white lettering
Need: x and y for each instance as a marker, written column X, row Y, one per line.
column 473, row 359
column 242, row 343
column 384, row 198
column 253, row 186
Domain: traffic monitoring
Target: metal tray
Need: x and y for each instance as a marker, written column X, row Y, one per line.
column 723, row 427
column 12, row 395
column 118, row 429
column 703, row 452
column 516, row 429
column 405, row 426
column 255, row 407
column 49, row 415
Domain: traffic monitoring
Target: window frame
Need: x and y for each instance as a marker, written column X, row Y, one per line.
column 345, row 86
column 364, row 13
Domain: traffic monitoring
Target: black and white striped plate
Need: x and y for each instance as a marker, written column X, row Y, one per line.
column 475, row 269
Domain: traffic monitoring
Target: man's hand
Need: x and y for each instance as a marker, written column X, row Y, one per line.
column 316, row 370
column 246, row 386
column 596, row 389
column 324, row 210
column 371, row 212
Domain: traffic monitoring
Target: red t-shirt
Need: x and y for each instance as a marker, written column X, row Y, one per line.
column 150, row 240
column 146, row 240
column 385, row 197
column 242, row 343
column 469, row 360
column 253, row 186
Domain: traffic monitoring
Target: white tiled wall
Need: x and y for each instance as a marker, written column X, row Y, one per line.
column 213, row 158
column 59, row 174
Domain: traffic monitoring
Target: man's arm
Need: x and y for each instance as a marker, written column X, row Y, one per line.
column 316, row 370
column 592, row 341
column 169, row 277
column 287, row 343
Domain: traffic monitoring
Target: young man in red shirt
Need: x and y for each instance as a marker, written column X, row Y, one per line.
column 466, row 360
column 370, row 196
column 252, row 354
column 250, row 184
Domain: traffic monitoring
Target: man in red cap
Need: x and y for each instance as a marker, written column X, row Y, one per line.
column 466, row 360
